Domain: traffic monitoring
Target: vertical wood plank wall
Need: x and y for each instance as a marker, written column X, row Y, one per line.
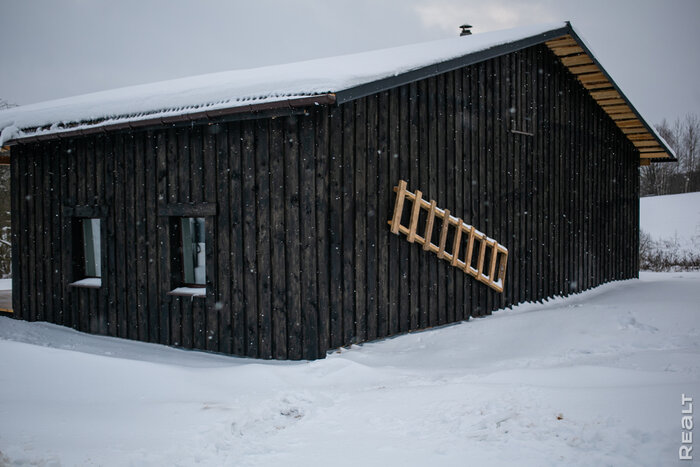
column 299, row 256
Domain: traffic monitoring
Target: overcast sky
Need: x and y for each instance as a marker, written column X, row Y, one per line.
column 60, row 48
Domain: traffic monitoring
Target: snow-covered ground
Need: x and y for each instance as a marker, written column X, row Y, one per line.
column 673, row 218
column 5, row 284
column 593, row 379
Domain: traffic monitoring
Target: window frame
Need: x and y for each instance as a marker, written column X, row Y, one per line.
column 75, row 216
column 87, row 246
column 173, row 213
column 178, row 271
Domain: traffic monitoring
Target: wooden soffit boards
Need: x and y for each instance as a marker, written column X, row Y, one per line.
column 578, row 59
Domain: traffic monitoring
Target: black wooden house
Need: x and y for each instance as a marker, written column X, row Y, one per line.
column 247, row 212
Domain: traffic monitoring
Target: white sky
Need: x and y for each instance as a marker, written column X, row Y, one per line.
column 53, row 49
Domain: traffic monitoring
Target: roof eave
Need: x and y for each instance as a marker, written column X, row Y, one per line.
column 651, row 130
column 207, row 115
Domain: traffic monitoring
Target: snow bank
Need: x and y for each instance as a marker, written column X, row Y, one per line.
column 670, row 232
column 672, row 217
column 243, row 87
column 593, row 379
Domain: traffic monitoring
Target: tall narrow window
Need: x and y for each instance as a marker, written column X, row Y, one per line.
column 87, row 252
column 91, row 248
column 193, row 251
column 188, row 269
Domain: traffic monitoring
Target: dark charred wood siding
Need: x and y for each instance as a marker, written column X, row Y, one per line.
column 300, row 258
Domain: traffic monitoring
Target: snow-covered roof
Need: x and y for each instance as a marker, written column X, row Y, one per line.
column 240, row 88
column 323, row 81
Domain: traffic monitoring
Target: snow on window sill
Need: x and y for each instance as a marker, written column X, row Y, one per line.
column 189, row 292
column 88, row 283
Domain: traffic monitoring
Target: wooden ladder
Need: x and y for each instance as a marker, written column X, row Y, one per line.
column 470, row 234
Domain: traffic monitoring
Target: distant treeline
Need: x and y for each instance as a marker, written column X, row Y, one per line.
column 684, row 176
column 5, row 250
column 5, row 234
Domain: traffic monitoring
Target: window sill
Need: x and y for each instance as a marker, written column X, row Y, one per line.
column 199, row 292
column 87, row 283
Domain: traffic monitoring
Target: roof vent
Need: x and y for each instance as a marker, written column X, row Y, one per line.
column 465, row 30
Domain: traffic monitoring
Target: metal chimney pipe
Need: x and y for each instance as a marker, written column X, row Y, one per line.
column 465, row 30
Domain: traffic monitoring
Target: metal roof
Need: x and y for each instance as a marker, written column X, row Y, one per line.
column 357, row 75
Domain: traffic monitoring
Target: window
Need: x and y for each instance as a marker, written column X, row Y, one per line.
column 193, row 251
column 91, row 248
column 188, row 256
column 87, row 252
column 189, row 227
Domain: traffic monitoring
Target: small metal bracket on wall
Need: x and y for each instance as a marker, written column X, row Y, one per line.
column 518, row 132
column 471, row 237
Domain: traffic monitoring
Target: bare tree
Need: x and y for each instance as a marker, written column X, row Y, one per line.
column 6, row 105
column 690, row 142
column 683, row 136
column 5, row 234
